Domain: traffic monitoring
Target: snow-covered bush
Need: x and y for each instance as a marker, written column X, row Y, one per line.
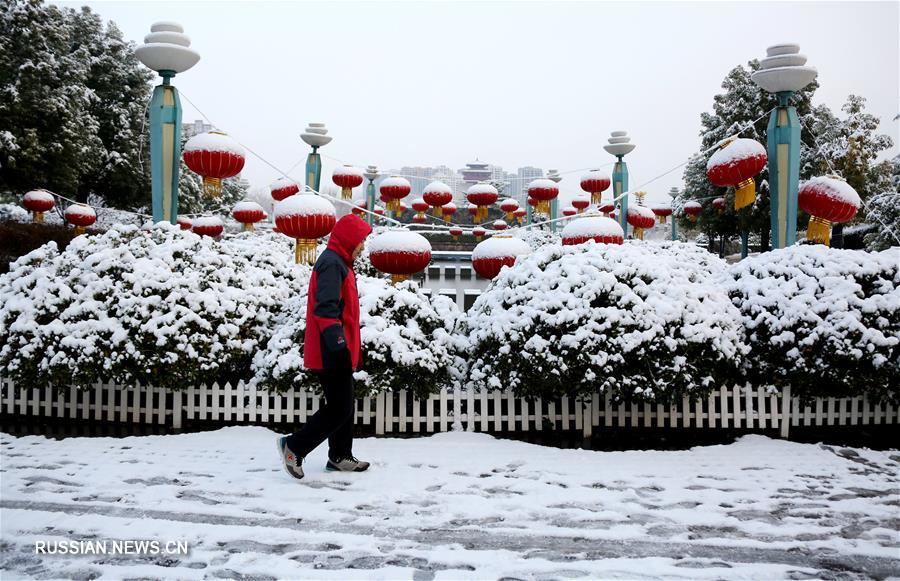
column 538, row 237
column 639, row 320
column 163, row 307
column 14, row 212
column 410, row 342
column 822, row 320
column 883, row 210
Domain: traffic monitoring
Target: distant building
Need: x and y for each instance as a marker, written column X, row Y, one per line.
column 476, row 171
column 197, row 127
column 452, row 178
column 518, row 183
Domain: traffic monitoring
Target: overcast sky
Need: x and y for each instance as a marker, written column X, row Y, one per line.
column 513, row 83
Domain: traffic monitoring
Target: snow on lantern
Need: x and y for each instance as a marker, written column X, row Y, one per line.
column 81, row 216
column 420, row 206
column 283, row 188
column 359, row 208
column 379, row 210
column 826, row 199
column 392, row 190
column 399, row 252
column 641, row 218
column 662, row 212
column 532, row 202
column 482, row 195
column 543, row 190
column 419, row 219
column 734, row 164
column 595, row 182
column 569, row 211
column 185, row 223
column 581, row 203
column 208, row 226
column 607, row 208
column 37, row 202
column 490, row 256
column 472, row 209
column 478, row 233
column 718, row 204
column 214, row 156
column 520, row 215
column 455, row 233
column 499, row 225
column 448, row 210
column 347, row 177
column 437, row 194
column 692, row 209
column 305, row 218
column 248, row 213
column 509, row 206
column 600, row 229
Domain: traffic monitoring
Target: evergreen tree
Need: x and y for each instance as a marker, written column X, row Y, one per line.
column 883, row 210
column 72, row 102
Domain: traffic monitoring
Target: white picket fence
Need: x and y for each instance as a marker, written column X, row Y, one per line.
column 482, row 411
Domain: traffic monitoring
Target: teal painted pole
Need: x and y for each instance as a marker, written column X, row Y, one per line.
column 674, row 231
column 784, row 170
column 370, row 201
column 554, row 213
column 313, row 169
column 165, row 149
column 620, row 184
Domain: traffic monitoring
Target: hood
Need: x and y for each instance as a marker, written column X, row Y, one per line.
column 348, row 232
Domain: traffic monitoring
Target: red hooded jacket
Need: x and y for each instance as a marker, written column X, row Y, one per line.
column 332, row 308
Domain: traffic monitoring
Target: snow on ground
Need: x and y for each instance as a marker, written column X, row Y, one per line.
column 450, row 506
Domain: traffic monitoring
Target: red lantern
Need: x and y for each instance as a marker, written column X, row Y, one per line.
column 37, row 202
column 569, row 211
column 600, row 229
column 499, row 225
column 456, row 233
column 509, row 206
column 448, row 210
column 581, row 203
column 692, row 209
column 482, row 195
column 472, row 209
column 719, row 204
column 248, row 213
column 214, row 156
column 543, row 190
column 661, row 213
column 185, row 223
column 208, row 226
column 826, row 199
column 420, row 205
column 607, row 207
column 437, row 194
column 532, row 202
column 478, row 233
column 734, row 164
column 419, row 219
column 347, row 177
column 81, row 216
column 359, row 208
column 641, row 218
column 283, row 188
column 305, row 218
column 379, row 210
column 399, row 253
column 520, row 215
column 595, row 182
column 392, row 190
column 490, row 256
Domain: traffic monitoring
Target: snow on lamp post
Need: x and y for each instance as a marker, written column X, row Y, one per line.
column 166, row 51
column 784, row 72
column 620, row 145
column 316, row 136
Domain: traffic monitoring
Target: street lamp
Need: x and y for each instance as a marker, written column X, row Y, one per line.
column 371, row 174
column 673, row 192
column 554, row 177
column 783, row 72
column 620, row 145
column 316, row 136
column 166, row 51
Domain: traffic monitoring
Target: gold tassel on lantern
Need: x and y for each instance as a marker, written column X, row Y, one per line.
column 79, row 230
column 692, row 217
column 38, row 217
column 305, row 251
column 596, row 197
column 248, row 226
column 509, row 216
column 481, row 214
column 212, row 187
column 438, row 211
column 346, row 193
column 661, row 218
column 393, row 206
column 543, row 207
column 744, row 193
column 819, row 230
column 396, row 278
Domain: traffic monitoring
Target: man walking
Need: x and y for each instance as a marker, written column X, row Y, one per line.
column 332, row 350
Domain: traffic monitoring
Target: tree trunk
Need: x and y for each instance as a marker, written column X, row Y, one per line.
column 764, row 240
column 837, row 235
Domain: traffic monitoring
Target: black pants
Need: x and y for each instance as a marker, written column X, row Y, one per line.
column 333, row 421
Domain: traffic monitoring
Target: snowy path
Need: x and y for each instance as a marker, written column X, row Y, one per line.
column 451, row 506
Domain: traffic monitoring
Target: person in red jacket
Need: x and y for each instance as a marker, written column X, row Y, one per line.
column 332, row 351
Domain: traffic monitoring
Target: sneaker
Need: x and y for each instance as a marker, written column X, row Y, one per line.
column 292, row 463
column 350, row 464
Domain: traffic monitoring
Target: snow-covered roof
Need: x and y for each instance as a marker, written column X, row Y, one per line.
column 500, row 246
column 214, row 141
column 304, row 205
column 398, row 240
